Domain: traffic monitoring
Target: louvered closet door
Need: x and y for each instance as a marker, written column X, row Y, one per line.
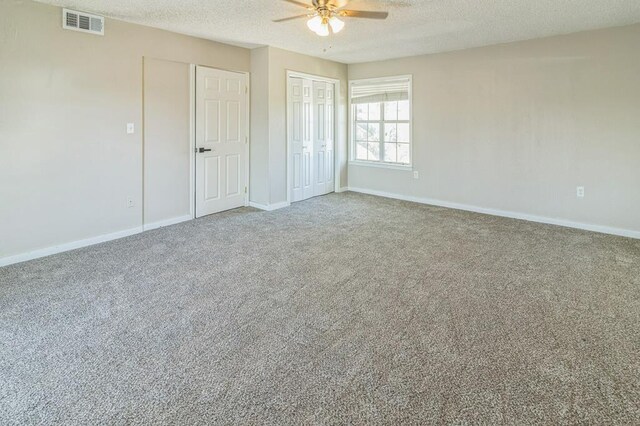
column 221, row 140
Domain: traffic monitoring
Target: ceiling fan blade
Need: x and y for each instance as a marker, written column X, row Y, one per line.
column 290, row 18
column 364, row 14
column 337, row 3
column 299, row 3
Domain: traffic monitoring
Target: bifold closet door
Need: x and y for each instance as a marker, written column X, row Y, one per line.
column 329, row 140
column 310, row 114
column 323, row 137
column 300, row 134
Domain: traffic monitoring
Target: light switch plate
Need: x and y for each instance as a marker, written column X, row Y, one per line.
column 130, row 128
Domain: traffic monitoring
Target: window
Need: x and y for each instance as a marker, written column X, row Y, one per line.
column 381, row 121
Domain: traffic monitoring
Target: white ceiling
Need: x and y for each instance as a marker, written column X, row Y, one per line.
column 414, row 26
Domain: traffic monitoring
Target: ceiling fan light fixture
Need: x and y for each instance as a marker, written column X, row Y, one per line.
column 323, row 16
column 336, row 24
column 323, row 31
column 315, row 23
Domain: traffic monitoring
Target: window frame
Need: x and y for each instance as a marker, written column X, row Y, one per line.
column 353, row 123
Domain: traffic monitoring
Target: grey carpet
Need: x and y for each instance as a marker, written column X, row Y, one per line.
column 341, row 309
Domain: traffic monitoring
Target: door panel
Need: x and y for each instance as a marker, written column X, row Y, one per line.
column 212, row 178
column 320, row 175
column 212, row 83
column 307, row 165
column 297, row 122
column 233, row 86
column 297, row 172
column 221, row 123
column 212, row 121
column 233, row 121
column 233, row 174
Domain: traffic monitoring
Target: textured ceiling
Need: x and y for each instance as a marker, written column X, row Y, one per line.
column 414, row 26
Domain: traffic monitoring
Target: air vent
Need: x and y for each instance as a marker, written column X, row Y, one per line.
column 81, row 21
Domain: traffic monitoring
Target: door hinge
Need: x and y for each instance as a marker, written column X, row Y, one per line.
column 246, row 89
column 246, row 139
column 245, row 189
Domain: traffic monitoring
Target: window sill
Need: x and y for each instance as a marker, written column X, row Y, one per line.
column 405, row 167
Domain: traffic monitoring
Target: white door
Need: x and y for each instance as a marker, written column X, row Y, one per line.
column 221, row 140
column 300, row 136
column 329, row 140
column 307, row 141
column 319, row 138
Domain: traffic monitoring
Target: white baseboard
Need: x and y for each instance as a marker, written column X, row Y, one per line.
column 269, row 207
column 167, row 222
column 343, row 189
column 23, row 257
column 259, row 206
column 35, row 254
column 68, row 246
column 503, row 213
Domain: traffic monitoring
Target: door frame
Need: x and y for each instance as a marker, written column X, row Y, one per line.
column 192, row 134
column 337, row 135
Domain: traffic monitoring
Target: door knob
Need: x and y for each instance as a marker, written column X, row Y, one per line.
column 203, row 150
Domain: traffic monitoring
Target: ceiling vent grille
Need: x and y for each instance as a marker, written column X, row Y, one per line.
column 81, row 21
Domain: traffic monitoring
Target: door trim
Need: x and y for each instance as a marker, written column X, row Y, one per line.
column 338, row 137
column 192, row 141
column 192, row 148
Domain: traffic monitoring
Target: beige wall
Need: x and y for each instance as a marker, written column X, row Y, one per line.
column 259, row 147
column 269, row 116
column 67, row 165
column 166, row 145
column 517, row 127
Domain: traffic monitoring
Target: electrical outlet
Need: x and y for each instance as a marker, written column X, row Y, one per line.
column 416, row 174
column 580, row 191
column 130, row 202
column 130, row 128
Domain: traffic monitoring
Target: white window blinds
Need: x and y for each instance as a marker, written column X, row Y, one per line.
column 396, row 89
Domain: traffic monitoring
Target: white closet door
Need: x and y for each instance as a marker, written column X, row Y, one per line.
column 295, row 136
column 330, row 126
column 300, row 122
column 307, row 139
column 320, row 138
column 310, row 129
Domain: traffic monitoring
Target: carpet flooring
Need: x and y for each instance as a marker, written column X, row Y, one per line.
column 343, row 309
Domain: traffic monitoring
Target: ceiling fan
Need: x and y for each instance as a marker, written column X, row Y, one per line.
column 326, row 14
